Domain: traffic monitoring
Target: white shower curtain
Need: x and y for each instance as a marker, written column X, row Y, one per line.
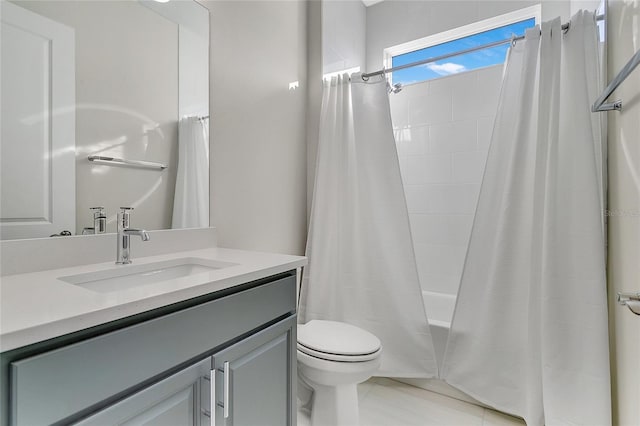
column 529, row 335
column 191, row 199
column 362, row 269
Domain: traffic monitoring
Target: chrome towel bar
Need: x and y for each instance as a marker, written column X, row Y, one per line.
column 122, row 162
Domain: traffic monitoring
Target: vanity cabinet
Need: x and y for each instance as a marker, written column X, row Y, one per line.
column 253, row 378
column 235, row 348
column 181, row 399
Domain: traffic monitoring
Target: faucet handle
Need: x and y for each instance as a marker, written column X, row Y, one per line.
column 97, row 211
column 125, row 211
column 123, row 217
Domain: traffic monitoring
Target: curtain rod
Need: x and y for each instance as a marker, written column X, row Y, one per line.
column 366, row 76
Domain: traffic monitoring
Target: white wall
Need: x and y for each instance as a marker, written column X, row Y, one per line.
column 118, row 115
column 394, row 22
column 624, row 204
column 442, row 130
column 343, row 35
column 258, row 135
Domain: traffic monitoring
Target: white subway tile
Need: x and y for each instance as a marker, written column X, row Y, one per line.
column 419, row 137
column 442, row 260
column 468, row 167
column 415, row 90
column 418, row 110
column 489, row 84
column 429, row 169
column 441, row 229
column 459, row 136
column 485, row 129
column 434, row 107
column 412, row 140
column 417, row 198
column 465, row 97
column 452, row 198
column 403, row 169
column 399, row 110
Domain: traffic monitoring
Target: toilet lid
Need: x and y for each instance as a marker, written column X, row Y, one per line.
column 336, row 338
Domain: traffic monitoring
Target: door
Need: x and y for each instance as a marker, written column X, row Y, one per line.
column 254, row 380
column 179, row 400
column 37, row 136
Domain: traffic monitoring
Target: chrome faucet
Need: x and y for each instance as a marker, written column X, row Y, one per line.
column 124, row 234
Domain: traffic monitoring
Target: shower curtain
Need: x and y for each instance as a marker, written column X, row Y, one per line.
column 362, row 268
column 529, row 334
column 191, row 199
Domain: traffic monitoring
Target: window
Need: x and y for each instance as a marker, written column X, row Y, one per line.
column 463, row 38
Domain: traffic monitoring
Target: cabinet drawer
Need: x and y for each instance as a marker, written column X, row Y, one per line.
column 55, row 385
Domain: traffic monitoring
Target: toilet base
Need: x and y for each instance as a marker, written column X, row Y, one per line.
column 335, row 405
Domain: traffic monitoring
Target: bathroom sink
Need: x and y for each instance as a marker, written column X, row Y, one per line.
column 130, row 276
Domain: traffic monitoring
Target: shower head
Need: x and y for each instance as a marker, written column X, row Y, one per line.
column 395, row 88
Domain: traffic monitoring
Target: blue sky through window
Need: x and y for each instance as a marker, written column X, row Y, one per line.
column 470, row 61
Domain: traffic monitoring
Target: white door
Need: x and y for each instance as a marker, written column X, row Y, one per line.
column 37, row 136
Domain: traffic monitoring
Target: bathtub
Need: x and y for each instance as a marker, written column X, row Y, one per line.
column 439, row 307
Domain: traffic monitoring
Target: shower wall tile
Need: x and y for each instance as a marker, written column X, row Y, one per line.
column 468, row 167
column 417, row 90
column 417, row 198
column 441, row 260
column 458, row 136
column 485, row 127
column 487, row 95
column 465, row 100
column 441, row 229
column 429, row 109
column 443, row 130
column 403, row 166
column 399, row 111
column 452, row 198
column 412, row 141
column 428, row 169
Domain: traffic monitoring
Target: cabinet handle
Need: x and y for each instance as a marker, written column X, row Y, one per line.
column 226, row 390
column 212, row 398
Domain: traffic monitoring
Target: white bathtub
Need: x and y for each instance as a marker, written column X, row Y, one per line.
column 439, row 307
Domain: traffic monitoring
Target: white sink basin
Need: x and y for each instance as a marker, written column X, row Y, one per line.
column 129, row 276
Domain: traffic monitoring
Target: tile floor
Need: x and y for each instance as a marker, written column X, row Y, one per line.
column 386, row 402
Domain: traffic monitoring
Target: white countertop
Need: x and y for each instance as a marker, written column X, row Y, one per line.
column 38, row 306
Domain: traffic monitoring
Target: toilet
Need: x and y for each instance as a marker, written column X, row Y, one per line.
column 333, row 357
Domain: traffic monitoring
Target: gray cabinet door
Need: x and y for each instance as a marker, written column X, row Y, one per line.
column 182, row 399
column 255, row 379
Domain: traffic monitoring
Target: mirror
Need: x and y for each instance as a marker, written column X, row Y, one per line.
column 125, row 83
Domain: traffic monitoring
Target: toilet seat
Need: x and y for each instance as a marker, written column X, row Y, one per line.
column 337, row 341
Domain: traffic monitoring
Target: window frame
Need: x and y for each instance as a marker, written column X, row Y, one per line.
column 509, row 18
